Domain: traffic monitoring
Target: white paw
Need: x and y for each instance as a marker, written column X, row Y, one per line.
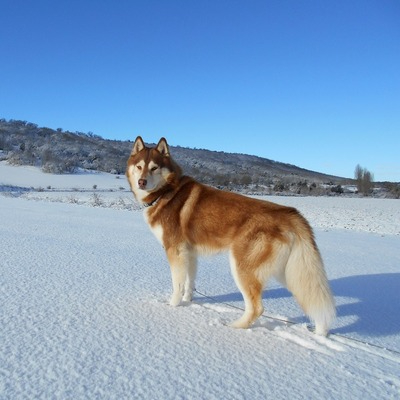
column 187, row 297
column 321, row 331
column 175, row 300
column 241, row 323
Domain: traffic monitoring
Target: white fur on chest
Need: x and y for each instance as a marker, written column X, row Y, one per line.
column 156, row 229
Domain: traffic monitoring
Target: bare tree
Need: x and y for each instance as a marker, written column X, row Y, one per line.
column 364, row 179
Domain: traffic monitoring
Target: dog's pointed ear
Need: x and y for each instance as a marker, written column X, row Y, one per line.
column 163, row 147
column 138, row 146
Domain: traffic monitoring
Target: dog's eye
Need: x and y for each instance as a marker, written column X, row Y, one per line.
column 139, row 167
column 154, row 168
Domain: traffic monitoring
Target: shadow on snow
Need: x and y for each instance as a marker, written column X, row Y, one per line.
column 373, row 303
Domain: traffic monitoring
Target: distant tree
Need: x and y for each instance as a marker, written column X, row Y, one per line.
column 393, row 189
column 245, row 180
column 280, row 186
column 337, row 189
column 302, row 187
column 358, row 174
column 364, row 180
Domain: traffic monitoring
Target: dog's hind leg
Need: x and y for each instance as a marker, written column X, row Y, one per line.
column 251, row 288
column 178, row 258
column 191, row 275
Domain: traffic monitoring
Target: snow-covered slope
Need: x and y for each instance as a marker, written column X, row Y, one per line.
column 84, row 313
column 35, row 178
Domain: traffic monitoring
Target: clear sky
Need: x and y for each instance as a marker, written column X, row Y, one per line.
column 311, row 83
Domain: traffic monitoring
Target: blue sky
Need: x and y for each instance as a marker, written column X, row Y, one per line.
column 311, row 83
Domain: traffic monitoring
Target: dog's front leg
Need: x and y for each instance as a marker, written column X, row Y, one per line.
column 178, row 274
column 178, row 264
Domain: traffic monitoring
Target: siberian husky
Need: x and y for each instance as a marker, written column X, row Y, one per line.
column 264, row 239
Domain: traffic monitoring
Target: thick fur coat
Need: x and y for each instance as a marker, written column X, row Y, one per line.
column 264, row 239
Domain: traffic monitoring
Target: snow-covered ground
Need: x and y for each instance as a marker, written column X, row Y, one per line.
column 84, row 309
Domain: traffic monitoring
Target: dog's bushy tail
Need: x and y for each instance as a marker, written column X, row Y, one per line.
column 306, row 278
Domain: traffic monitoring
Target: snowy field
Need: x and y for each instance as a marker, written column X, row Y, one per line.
column 84, row 311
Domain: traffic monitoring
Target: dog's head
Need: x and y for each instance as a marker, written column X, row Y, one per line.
column 150, row 169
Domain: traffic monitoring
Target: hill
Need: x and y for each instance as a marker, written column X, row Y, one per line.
column 58, row 151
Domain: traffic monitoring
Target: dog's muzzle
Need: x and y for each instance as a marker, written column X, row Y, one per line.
column 142, row 183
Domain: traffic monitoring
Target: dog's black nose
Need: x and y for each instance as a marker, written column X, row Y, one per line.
column 142, row 183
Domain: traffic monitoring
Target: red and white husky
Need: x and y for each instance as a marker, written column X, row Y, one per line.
column 264, row 239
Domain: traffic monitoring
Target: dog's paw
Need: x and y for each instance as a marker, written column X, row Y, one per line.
column 241, row 323
column 175, row 300
column 187, row 297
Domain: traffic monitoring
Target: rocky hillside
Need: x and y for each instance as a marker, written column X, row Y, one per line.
column 58, row 151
